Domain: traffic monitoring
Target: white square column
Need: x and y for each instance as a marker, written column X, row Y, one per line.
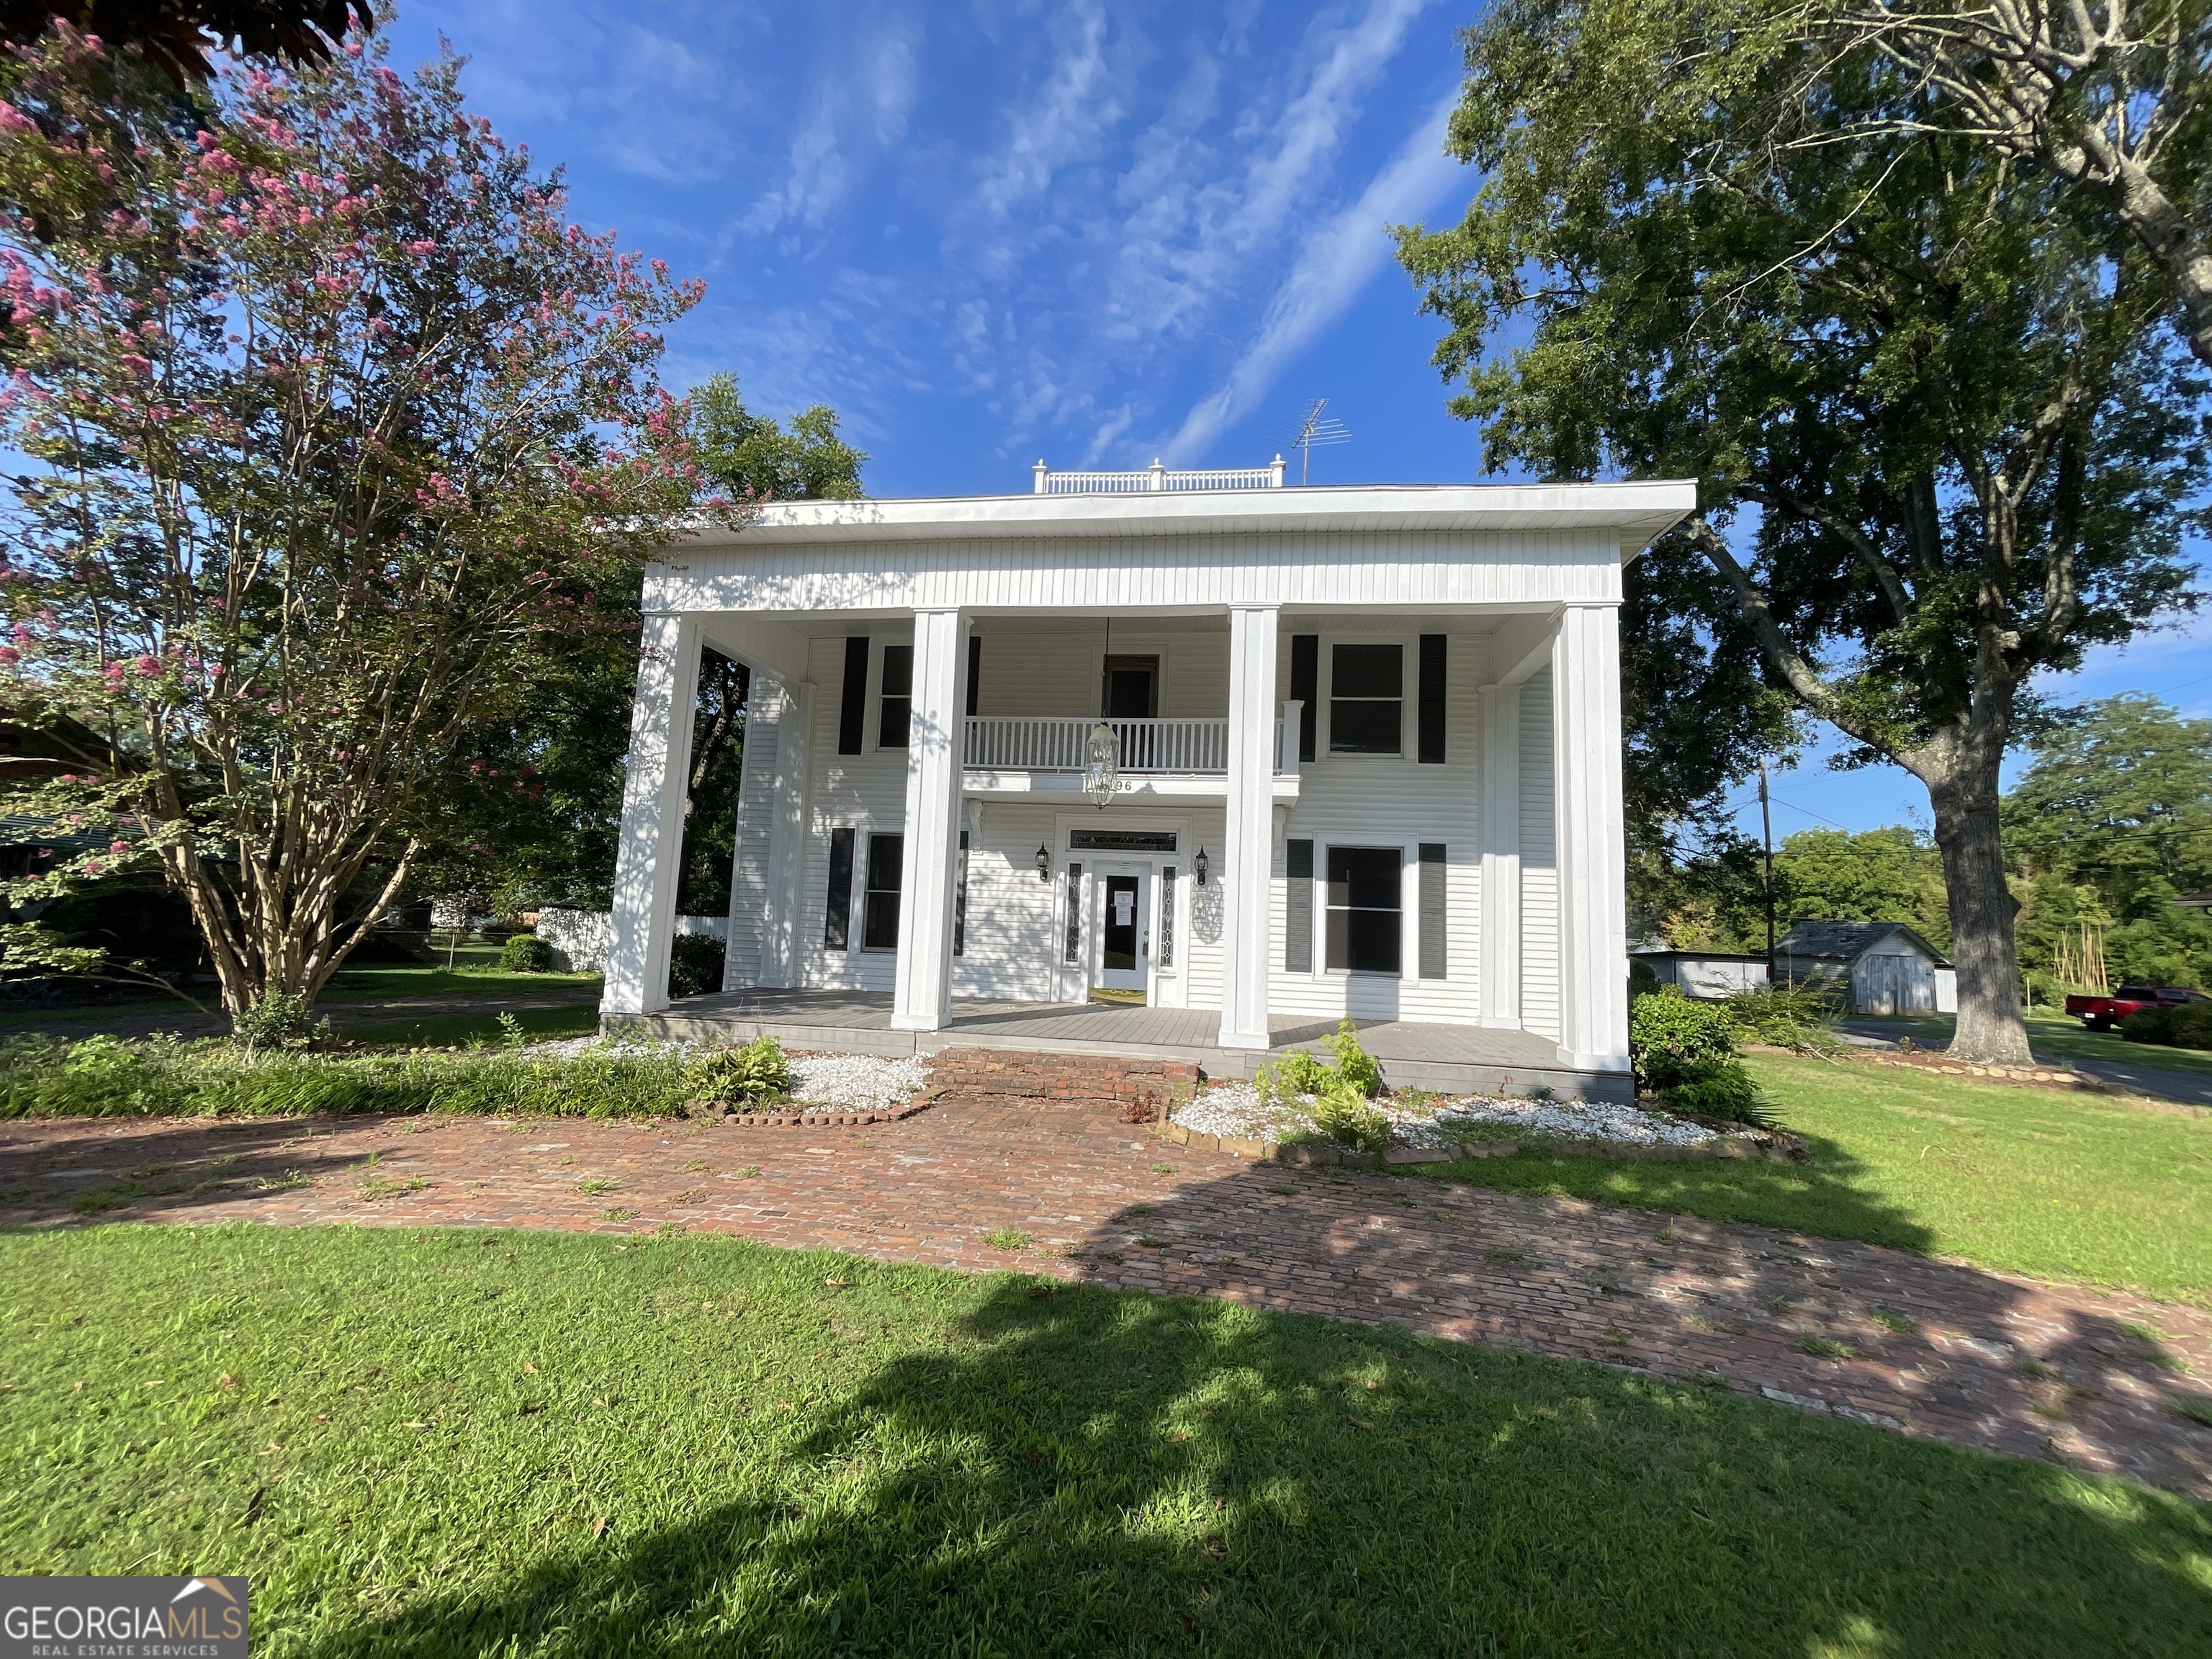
column 1247, row 858
column 650, row 854
column 922, row 998
column 1592, row 838
column 1501, row 857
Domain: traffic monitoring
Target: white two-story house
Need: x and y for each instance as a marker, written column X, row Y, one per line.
column 1160, row 761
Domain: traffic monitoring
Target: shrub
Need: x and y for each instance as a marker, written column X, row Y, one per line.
column 527, row 953
column 1802, row 1018
column 105, row 1076
column 278, row 1021
column 1724, row 1092
column 741, row 1077
column 1301, row 1071
column 1673, row 1040
column 2185, row 1025
column 1344, row 1114
column 695, row 965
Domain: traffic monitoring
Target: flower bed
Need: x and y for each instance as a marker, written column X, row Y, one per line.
column 1237, row 1110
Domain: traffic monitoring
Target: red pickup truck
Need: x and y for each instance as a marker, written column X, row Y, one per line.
column 2102, row 1013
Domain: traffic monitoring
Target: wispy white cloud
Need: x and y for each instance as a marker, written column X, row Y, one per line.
column 1334, row 262
column 858, row 108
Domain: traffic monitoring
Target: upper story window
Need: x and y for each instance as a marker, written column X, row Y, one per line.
column 1366, row 700
column 898, row 697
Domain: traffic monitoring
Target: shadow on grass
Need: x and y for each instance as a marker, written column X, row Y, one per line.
column 1091, row 1472
column 1834, row 1195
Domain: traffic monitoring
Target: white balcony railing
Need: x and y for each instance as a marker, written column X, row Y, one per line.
column 998, row 743
column 1156, row 477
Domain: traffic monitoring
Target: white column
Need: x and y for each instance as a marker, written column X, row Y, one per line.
column 651, row 851
column 922, row 999
column 1592, row 838
column 1245, row 857
column 787, row 839
column 1501, row 856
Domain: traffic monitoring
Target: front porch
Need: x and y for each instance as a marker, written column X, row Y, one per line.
column 1449, row 1059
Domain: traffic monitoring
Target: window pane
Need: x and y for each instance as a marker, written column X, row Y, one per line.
column 898, row 670
column 882, row 931
column 1365, row 878
column 1368, row 670
column 897, row 722
column 1374, row 942
column 1363, row 728
column 885, row 855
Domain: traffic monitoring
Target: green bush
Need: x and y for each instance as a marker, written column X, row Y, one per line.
column 525, row 953
column 1673, row 1040
column 107, row 1077
column 1302, row 1072
column 1344, row 1114
column 1724, row 1092
column 1800, row 1017
column 695, row 965
column 2184, row 1025
column 743, row 1077
column 278, row 1021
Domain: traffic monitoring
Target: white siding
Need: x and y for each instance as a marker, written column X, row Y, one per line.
column 1378, row 801
column 1059, row 671
column 1008, row 950
column 1539, row 875
column 868, row 792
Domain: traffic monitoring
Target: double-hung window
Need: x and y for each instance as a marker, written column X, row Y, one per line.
column 1366, row 909
column 897, row 697
column 880, row 923
column 1366, row 699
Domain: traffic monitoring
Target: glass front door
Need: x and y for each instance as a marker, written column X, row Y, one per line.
column 1124, row 930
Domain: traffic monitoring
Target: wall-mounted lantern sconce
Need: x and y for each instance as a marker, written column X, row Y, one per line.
column 1200, row 866
column 1044, row 864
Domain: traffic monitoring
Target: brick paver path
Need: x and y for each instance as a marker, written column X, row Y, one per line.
column 1969, row 1356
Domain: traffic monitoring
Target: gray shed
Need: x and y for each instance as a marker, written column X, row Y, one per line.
column 1889, row 969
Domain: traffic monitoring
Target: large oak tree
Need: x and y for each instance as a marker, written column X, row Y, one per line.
column 1944, row 434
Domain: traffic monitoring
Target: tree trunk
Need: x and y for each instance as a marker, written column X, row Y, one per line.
column 1991, row 1029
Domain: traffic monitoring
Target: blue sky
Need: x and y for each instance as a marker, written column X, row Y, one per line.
column 993, row 232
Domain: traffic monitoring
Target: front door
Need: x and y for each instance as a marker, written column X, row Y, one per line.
column 1125, row 932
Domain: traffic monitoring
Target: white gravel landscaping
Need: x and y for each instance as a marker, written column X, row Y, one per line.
column 856, row 1083
column 1236, row 1109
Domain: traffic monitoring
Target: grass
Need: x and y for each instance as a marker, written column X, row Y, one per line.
column 2055, row 1036
column 436, row 1442
column 460, row 1030
column 2055, row 1185
column 382, row 981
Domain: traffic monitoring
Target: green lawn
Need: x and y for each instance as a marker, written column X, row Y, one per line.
column 2053, row 1184
column 457, row 1031
column 2055, row 1035
column 515, row 1444
column 384, row 981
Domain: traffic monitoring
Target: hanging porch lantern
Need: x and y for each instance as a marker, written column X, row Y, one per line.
column 1101, row 765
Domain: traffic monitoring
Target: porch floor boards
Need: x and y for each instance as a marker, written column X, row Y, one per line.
column 1457, row 1059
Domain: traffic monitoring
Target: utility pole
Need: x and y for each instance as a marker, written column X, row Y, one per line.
column 1766, row 835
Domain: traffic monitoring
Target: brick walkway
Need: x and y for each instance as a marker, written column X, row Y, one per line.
column 1985, row 1360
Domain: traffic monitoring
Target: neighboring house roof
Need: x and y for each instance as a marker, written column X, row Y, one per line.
column 1641, row 955
column 1847, row 941
column 2195, row 901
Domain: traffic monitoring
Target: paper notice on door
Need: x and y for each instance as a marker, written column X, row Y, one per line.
column 1125, row 909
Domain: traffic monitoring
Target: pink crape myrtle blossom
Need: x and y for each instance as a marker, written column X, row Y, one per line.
column 337, row 429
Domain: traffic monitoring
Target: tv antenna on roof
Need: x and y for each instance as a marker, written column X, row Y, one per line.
column 1315, row 430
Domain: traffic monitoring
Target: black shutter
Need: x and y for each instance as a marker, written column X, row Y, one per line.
column 960, row 900
column 837, row 915
column 1297, row 906
column 975, row 668
column 1433, row 959
column 1432, row 702
column 1305, row 686
column 852, row 712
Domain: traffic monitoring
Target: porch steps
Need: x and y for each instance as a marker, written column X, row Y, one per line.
column 1144, row 1090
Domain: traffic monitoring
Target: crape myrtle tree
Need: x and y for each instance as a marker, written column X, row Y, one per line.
column 337, row 432
column 1944, row 437
column 179, row 35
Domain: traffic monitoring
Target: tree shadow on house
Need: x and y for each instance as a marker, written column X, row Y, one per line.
column 1081, row 1471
